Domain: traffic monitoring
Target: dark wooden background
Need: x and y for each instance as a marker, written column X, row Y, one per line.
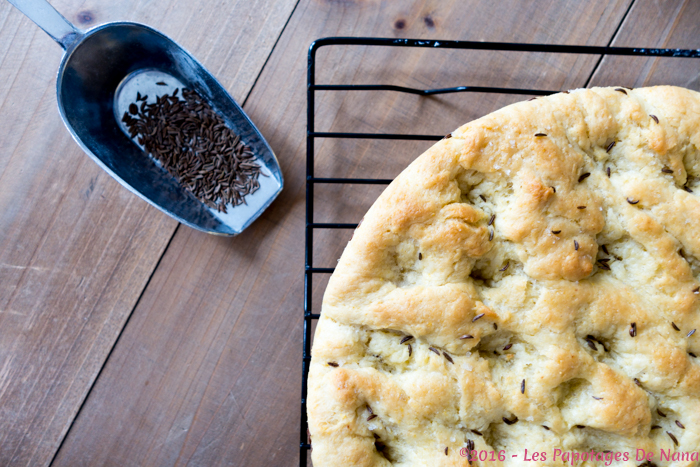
column 128, row 340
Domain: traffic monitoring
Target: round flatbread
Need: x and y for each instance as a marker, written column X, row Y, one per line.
column 528, row 283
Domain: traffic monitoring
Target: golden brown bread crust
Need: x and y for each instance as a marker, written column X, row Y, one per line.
column 584, row 285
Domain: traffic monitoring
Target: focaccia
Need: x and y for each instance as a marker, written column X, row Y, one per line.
column 528, row 283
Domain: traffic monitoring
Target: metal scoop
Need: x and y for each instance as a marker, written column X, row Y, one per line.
column 101, row 71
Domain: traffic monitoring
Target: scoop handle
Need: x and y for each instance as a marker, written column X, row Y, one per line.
column 51, row 21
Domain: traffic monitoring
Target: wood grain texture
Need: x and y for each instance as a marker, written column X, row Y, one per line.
column 76, row 248
column 208, row 369
column 650, row 23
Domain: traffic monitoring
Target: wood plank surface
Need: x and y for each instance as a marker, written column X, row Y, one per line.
column 672, row 24
column 76, row 248
column 208, row 370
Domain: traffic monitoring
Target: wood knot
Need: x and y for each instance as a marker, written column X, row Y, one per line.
column 400, row 24
column 85, row 17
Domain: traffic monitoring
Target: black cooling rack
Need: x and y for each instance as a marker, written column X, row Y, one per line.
column 312, row 134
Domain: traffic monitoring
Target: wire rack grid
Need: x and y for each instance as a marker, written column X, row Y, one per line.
column 311, row 135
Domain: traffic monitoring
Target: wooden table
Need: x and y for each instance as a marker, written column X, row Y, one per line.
column 126, row 339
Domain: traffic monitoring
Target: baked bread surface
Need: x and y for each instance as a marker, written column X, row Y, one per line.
column 529, row 282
